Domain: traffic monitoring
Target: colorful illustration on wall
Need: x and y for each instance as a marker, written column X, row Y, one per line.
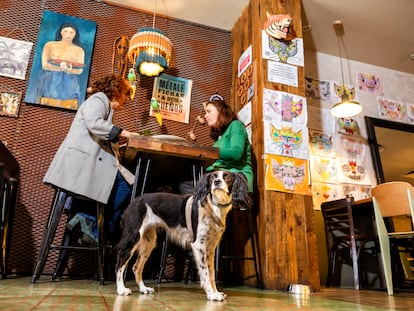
column 341, row 89
column 323, row 192
column 391, row 109
column 284, row 107
column 353, row 171
column 61, row 63
column 286, row 140
column 410, row 113
column 317, row 90
column 286, row 174
column 285, row 120
column 14, row 57
column 369, row 83
column 173, row 95
column 10, row 103
column 348, row 126
column 351, row 147
column 324, row 169
column 358, row 192
column 290, row 52
column 321, row 143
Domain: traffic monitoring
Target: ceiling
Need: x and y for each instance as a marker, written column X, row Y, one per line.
column 377, row 32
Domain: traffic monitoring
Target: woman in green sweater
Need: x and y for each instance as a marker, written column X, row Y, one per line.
column 230, row 136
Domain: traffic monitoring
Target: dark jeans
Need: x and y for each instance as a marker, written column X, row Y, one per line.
column 120, row 197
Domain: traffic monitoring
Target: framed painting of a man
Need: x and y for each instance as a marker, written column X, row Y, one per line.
column 60, row 70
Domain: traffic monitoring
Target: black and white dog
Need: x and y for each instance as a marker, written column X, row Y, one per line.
column 194, row 222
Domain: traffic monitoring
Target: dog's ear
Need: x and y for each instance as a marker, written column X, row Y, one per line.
column 240, row 192
column 202, row 189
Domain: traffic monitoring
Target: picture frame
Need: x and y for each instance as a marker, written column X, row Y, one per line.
column 61, row 63
column 14, row 57
column 10, row 103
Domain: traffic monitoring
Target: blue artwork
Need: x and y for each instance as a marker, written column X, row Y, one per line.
column 60, row 70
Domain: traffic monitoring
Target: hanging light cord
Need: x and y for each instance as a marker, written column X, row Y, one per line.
column 153, row 19
column 340, row 59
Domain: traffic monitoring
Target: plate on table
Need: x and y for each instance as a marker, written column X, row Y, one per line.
column 169, row 137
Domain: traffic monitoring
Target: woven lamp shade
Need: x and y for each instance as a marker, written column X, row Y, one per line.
column 150, row 50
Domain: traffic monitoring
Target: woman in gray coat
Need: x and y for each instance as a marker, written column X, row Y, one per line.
column 85, row 163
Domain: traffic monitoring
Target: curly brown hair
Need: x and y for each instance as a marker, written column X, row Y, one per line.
column 112, row 85
column 225, row 116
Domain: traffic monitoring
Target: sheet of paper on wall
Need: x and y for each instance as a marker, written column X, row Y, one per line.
column 290, row 52
column 245, row 114
column 281, row 106
column 324, row 192
column 244, row 61
column 249, row 133
column 282, row 73
column 286, row 174
column 14, row 57
column 286, row 139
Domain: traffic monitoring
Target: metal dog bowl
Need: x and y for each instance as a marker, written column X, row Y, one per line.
column 299, row 289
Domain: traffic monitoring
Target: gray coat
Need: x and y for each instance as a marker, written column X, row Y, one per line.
column 85, row 163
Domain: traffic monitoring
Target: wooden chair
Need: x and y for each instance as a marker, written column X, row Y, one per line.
column 341, row 233
column 392, row 199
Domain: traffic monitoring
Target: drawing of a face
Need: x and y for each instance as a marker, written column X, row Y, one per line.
column 68, row 33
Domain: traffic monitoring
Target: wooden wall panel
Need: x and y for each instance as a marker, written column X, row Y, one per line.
column 287, row 236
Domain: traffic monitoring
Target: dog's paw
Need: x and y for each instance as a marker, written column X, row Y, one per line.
column 124, row 292
column 216, row 296
column 146, row 290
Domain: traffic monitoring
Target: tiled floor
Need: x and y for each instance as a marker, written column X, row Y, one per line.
column 17, row 293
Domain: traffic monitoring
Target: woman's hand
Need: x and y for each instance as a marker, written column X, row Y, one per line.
column 126, row 133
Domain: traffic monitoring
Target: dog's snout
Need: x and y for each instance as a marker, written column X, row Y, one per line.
column 217, row 182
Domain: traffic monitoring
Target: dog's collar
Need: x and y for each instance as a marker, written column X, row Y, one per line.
column 218, row 204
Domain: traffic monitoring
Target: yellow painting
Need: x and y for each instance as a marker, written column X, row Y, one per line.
column 287, row 174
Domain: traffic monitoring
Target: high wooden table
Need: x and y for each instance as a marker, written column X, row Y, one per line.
column 142, row 149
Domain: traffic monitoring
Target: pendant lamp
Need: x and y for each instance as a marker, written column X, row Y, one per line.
column 150, row 50
column 346, row 107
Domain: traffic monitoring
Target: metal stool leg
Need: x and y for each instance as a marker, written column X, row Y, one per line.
column 54, row 216
column 101, row 242
column 164, row 253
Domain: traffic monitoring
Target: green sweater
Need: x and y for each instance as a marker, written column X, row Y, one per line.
column 235, row 153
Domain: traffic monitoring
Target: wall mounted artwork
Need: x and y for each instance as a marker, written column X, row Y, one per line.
column 10, row 103
column 14, row 57
column 287, row 174
column 173, row 95
column 60, row 70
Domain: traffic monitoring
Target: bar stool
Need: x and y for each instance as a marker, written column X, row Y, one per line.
column 8, row 200
column 226, row 242
column 60, row 198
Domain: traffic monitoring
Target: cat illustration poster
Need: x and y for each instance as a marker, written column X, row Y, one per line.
column 284, row 107
column 321, row 143
column 391, row 109
column 369, row 83
column 324, row 169
column 286, row 140
column 289, row 52
column 318, row 90
column 287, row 174
column 324, row 192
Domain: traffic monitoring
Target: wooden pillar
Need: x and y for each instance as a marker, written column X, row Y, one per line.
column 287, row 239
